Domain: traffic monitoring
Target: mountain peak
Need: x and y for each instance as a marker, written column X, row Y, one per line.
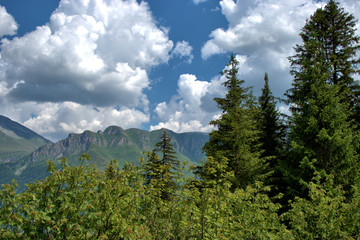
column 17, row 141
column 114, row 130
column 16, row 130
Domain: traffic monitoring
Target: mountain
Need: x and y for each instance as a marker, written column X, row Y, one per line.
column 17, row 140
column 112, row 143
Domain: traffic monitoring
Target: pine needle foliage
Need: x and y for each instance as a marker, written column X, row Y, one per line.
column 236, row 136
column 323, row 135
column 161, row 171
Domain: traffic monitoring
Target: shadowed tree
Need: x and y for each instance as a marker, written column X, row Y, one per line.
column 272, row 130
column 236, row 136
column 331, row 30
column 322, row 134
column 272, row 133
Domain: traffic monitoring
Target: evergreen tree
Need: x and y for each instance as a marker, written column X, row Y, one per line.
column 152, row 167
column 236, row 134
column 322, row 135
column 332, row 30
column 167, row 151
column 272, row 130
column 160, row 171
column 272, row 135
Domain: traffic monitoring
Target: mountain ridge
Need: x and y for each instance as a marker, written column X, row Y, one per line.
column 6, row 125
column 17, row 140
column 103, row 146
column 114, row 137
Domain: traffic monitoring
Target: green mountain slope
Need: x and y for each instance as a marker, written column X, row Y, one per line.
column 113, row 143
column 17, row 141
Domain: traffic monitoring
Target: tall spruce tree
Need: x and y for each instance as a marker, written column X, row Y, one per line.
column 153, row 167
column 236, row 135
column 333, row 31
column 160, row 170
column 272, row 130
column 322, row 135
column 168, row 154
column 272, row 135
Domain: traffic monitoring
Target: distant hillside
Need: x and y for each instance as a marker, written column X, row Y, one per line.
column 113, row 143
column 17, row 141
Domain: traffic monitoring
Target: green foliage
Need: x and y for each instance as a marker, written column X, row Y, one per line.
column 272, row 129
column 161, row 172
column 236, row 135
column 332, row 30
column 325, row 214
column 322, row 134
column 76, row 203
column 84, row 203
column 240, row 214
column 272, row 136
column 167, row 151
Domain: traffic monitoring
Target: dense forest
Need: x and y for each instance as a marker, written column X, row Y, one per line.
column 266, row 176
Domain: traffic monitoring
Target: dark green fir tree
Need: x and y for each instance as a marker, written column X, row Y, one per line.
column 332, row 30
column 167, row 151
column 152, row 166
column 272, row 134
column 272, row 129
column 236, row 136
column 323, row 134
column 161, row 170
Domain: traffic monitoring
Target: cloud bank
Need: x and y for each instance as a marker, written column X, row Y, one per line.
column 88, row 48
column 88, row 67
column 264, row 34
column 91, row 54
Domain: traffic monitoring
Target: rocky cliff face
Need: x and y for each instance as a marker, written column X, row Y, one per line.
column 188, row 144
column 113, row 143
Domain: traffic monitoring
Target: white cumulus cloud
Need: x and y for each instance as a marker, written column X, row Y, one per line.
column 8, row 25
column 193, row 108
column 55, row 120
column 263, row 33
column 92, row 54
column 89, row 48
column 183, row 50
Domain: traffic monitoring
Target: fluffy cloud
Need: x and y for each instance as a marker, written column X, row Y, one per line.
column 183, row 50
column 255, row 26
column 193, row 108
column 211, row 48
column 8, row 26
column 92, row 55
column 263, row 34
column 55, row 120
column 88, row 48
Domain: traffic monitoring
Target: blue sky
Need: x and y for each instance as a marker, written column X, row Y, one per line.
column 72, row 65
